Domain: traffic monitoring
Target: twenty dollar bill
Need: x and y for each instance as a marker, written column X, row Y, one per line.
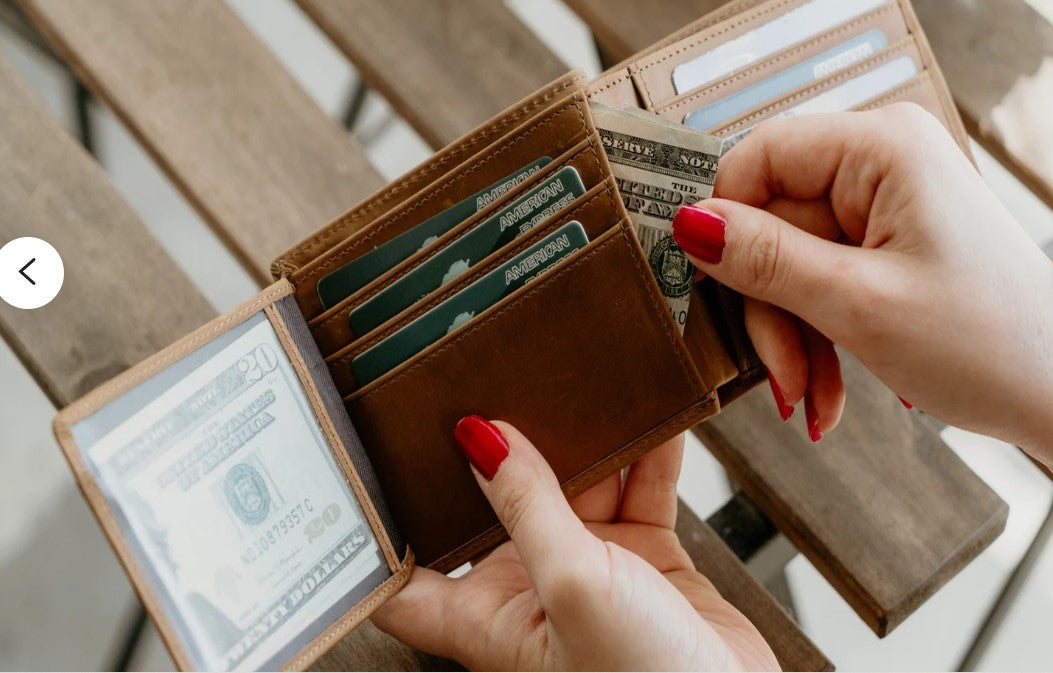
column 659, row 166
column 239, row 509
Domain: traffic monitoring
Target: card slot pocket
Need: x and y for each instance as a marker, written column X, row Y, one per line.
column 551, row 132
column 565, row 359
column 331, row 329
column 654, row 72
column 920, row 90
column 887, row 19
column 597, row 211
column 906, row 48
column 425, row 173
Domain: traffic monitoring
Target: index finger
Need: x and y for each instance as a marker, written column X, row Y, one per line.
column 842, row 156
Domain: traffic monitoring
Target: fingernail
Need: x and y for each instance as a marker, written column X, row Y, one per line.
column 905, row 403
column 700, row 233
column 785, row 410
column 482, row 444
column 813, row 419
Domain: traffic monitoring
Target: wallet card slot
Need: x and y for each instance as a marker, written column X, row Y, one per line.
column 920, row 90
column 424, row 174
column 331, row 328
column 904, row 49
column 886, row 20
column 565, row 359
column 654, row 72
column 596, row 211
column 549, row 133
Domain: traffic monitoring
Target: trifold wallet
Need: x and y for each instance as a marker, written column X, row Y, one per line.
column 264, row 502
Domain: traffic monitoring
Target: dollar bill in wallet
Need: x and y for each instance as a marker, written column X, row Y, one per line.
column 659, row 166
column 233, row 499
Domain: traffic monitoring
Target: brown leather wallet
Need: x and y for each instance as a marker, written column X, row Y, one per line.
column 585, row 360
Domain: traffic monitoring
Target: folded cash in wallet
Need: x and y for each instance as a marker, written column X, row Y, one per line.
column 270, row 479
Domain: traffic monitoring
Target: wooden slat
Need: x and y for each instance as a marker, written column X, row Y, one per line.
column 234, row 131
column 794, row 650
column 624, row 27
column 123, row 299
column 445, row 65
column 997, row 56
column 882, row 507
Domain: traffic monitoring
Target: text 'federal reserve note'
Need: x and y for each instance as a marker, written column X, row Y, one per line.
column 659, row 166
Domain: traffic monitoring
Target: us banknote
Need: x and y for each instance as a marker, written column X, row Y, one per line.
column 240, row 509
column 659, row 166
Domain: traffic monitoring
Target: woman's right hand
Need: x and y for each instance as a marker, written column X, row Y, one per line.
column 897, row 252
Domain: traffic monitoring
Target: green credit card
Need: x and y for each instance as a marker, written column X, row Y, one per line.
column 468, row 303
column 356, row 274
column 533, row 208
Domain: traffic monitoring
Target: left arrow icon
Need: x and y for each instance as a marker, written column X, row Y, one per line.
column 26, row 275
column 40, row 272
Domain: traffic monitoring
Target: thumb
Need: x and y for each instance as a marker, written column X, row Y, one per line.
column 552, row 542
column 765, row 257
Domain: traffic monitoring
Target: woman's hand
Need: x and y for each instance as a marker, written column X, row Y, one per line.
column 871, row 230
column 600, row 582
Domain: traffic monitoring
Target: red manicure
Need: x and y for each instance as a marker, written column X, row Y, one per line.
column 813, row 418
column 785, row 410
column 700, row 233
column 482, row 443
column 905, row 403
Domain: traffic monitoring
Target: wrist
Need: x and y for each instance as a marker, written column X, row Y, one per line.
column 1036, row 396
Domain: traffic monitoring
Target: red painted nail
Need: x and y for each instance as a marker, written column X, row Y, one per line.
column 905, row 403
column 482, row 443
column 700, row 233
column 813, row 418
column 785, row 410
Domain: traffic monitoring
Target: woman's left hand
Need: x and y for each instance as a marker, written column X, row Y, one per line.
column 599, row 582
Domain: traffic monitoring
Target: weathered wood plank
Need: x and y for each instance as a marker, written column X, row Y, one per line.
column 624, row 27
column 997, row 56
column 230, row 126
column 123, row 298
column 444, row 65
column 794, row 650
column 881, row 506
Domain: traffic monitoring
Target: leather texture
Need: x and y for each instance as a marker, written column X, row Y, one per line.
column 584, row 360
column 562, row 356
column 645, row 79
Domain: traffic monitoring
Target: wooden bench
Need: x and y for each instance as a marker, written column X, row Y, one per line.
column 230, row 175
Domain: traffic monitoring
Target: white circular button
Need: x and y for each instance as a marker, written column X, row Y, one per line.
column 31, row 272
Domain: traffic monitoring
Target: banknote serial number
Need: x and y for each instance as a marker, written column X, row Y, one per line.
column 313, row 527
column 290, row 521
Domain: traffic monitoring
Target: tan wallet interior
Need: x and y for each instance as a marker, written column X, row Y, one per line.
column 86, row 425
